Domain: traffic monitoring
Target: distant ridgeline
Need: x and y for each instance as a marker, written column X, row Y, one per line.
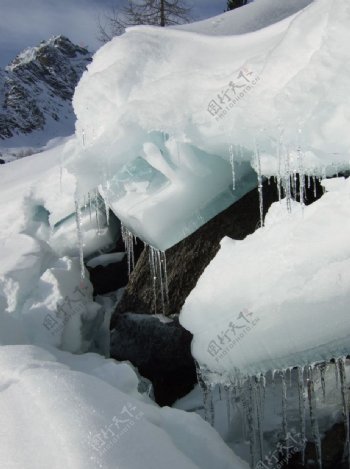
column 36, row 88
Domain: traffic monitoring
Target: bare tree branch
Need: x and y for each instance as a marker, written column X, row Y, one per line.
column 151, row 12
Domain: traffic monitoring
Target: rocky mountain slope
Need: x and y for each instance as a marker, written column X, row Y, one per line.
column 36, row 88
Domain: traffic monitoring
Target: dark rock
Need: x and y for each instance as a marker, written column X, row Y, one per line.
column 2, row 161
column 109, row 278
column 332, row 447
column 161, row 352
column 187, row 260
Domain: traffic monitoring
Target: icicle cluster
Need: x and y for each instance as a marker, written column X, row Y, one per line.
column 158, row 268
column 248, row 395
column 95, row 203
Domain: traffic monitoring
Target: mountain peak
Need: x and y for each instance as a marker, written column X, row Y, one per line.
column 36, row 88
column 48, row 51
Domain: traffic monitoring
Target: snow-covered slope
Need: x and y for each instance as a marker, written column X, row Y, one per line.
column 36, row 89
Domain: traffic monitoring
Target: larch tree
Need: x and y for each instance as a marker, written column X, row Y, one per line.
column 151, row 12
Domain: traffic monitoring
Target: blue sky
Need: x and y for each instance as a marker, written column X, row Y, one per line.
column 25, row 23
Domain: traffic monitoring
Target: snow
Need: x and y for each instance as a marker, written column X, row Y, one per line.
column 58, row 396
column 163, row 137
column 83, row 410
column 42, row 298
column 106, row 259
column 254, row 16
column 280, row 297
column 159, row 108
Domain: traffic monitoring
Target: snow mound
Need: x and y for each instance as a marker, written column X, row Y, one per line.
column 88, row 413
column 280, row 297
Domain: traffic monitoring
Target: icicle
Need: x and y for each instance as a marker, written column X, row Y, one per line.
column 83, row 137
column 301, row 411
column 241, row 396
column 228, row 403
column 154, row 276
column 104, row 189
column 336, row 371
column 260, row 185
column 259, row 415
column 284, row 411
column 80, row 238
column 273, row 375
column 290, row 371
column 344, row 397
column 211, row 405
column 294, row 185
column 96, row 203
column 160, row 270
column 313, row 416
column 165, row 274
column 89, row 202
column 314, row 183
column 233, row 167
column 287, row 185
column 219, row 391
column 322, row 369
column 263, row 386
column 105, row 199
column 250, row 413
column 301, row 177
column 128, row 239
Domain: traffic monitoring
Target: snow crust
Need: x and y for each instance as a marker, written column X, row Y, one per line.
column 158, row 109
column 280, row 297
